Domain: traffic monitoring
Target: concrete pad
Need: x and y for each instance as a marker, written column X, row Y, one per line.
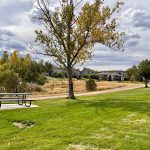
column 15, row 106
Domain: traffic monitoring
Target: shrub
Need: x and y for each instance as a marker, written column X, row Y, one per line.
column 22, row 87
column 10, row 80
column 33, row 88
column 41, row 80
column 94, row 76
column 86, row 76
column 91, row 85
column 2, row 90
column 76, row 76
column 38, row 89
column 57, row 75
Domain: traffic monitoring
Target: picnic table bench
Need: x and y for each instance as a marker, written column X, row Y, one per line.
column 21, row 98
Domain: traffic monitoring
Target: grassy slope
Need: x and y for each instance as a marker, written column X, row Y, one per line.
column 119, row 121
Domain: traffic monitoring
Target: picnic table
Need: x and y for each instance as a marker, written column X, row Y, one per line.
column 21, row 98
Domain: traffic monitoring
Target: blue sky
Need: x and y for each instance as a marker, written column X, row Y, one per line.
column 17, row 31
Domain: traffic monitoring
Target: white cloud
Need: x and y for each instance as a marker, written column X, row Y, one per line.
column 17, row 30
column 137, row 18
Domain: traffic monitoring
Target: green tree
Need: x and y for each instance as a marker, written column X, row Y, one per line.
column 133, row 74
column 26, row 69
column 4, row 58
column 14, row 58
column 33, row 71
column 42, row 67
column 49, row 68
column 10, row 80
column 94, row 76
column 70, row 34
column 15, row 62
column 144, row 70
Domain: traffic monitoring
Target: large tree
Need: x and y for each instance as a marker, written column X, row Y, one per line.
column 133, row 74
column 71, row 30
column 144, row 70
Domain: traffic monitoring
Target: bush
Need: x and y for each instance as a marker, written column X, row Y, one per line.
column 38, row 89
column 91, row 85
column 33, row 88
column 41, row 80
column 57, row 75
column 2, row 90
column 76, row 76
column 86, row 76
column 94, row 76
column 10, row 81
column 22, row 87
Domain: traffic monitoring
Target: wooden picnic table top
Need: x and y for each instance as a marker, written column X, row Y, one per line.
column 15, row 94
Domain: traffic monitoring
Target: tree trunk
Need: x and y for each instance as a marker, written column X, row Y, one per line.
column 70, row 84
column 146, row 83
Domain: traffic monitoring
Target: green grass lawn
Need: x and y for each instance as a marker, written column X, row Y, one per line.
column 118, row 121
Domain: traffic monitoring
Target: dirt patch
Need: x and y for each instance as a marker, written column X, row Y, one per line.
column 141, row 121
column 84, row 147
column 101, row 136
column 81, row 147
column 23, row 124
column 132, row 119
column 77, row 147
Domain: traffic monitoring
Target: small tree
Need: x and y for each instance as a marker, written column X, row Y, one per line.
column 15, row 62
column 70, row 34
column 4, row 58
column 144, row 70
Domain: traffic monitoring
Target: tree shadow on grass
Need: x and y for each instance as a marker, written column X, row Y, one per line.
column 132, row 105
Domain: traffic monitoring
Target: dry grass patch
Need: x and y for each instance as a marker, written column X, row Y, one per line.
column 59, row 86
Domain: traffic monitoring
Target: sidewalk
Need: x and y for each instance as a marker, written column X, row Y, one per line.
column 89, row 93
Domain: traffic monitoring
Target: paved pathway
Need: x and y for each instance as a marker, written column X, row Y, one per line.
column 90, row 93
column 14, row 106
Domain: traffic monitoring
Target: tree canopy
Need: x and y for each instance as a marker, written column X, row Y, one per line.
column 16, row 70
column 70, row 33
column 133, row 73
column 144, row 70
column 140, row 72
